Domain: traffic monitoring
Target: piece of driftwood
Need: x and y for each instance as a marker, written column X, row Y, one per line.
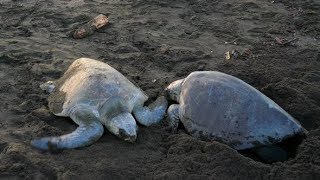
column 90, row 27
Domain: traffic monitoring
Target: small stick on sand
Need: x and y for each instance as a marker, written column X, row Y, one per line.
column 284, row 42
column 90, row 27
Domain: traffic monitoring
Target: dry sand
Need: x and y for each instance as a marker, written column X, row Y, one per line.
column 149, row 40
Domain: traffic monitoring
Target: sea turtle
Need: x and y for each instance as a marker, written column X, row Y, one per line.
column 93, row 93
column 216, row 106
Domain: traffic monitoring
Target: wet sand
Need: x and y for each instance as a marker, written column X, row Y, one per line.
column 154, row 43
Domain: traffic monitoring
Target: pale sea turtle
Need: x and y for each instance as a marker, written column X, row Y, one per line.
column 216, row 106
column 93, row 93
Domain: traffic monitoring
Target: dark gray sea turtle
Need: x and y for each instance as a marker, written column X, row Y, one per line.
column 216, row 106
column 93, row 93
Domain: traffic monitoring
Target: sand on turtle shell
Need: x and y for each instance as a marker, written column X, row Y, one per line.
column 154, row 43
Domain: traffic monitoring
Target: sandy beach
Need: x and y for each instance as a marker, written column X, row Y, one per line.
column 153, row 43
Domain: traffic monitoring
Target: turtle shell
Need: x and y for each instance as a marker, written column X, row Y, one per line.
column 93, row 83
column 217, row 106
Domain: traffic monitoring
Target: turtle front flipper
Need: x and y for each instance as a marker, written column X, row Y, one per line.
column 89, row 131
column 151, row 114
column 173, row 113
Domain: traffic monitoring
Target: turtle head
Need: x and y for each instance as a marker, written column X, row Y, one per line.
column 118, row 119
column 124, row 126
column 48, row 86
column 173, row 90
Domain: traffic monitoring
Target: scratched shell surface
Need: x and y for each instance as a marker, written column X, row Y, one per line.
column 221, row 107
column 92, row 82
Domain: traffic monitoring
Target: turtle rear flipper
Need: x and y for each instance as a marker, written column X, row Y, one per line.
column 89, row 131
